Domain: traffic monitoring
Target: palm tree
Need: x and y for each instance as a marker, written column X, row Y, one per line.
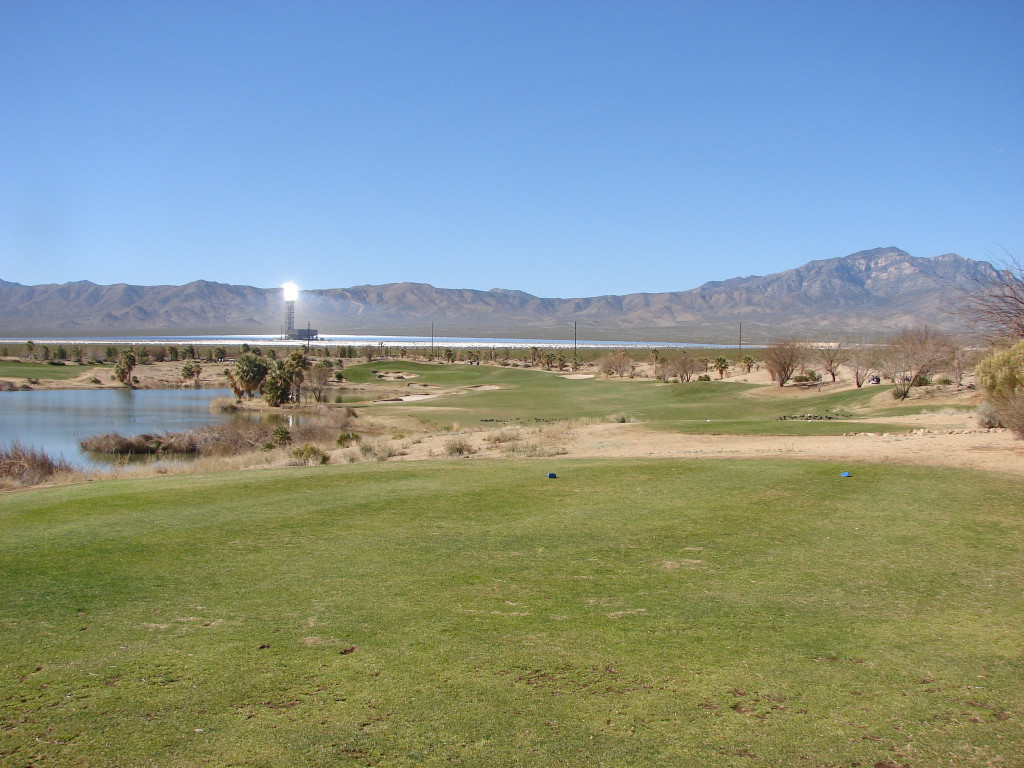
column 250, row 371
column 721, row 365
column 191, row 370
column 124, row 366
column 276, row 387
column 295, row 367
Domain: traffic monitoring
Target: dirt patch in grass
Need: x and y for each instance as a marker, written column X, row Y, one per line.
column 967, row 447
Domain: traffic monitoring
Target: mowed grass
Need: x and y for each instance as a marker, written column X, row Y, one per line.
column 626, row 613
column 531, row 396
column 13, row 369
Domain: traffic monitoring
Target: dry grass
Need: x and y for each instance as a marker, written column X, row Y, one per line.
column 457, row 447
column 229, row 439
column 21, row 466
column 377, row 450
column 504, row 436
column 536, row 442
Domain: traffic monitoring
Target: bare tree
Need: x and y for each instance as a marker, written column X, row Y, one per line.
column 997, row 305
column 317, row 378
column 960, row 360
column 830, row 357
column 681, row 365
column 861, row 359
column 782, row 358
column 615, row 362
column 912, row 356
column 666, row 368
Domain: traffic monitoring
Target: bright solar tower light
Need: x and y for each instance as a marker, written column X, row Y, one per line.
column 291, row 293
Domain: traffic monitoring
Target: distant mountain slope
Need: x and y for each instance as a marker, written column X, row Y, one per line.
column 880, row 289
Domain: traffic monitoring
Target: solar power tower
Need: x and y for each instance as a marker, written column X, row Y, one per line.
column 291, row 293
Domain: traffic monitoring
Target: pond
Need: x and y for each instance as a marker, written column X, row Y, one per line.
column 56, row 420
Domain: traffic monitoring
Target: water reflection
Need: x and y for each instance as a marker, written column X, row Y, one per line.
column 57, row 420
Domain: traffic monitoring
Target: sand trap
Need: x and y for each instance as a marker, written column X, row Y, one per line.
column 578, row 376
column 395, row 375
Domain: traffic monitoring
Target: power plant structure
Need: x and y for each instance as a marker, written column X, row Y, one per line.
column 291, row 295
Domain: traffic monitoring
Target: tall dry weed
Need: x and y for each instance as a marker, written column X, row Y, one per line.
column 26, row 466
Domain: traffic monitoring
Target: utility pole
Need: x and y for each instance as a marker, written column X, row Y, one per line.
column 741, row 341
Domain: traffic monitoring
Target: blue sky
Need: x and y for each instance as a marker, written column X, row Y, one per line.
column 562, row 148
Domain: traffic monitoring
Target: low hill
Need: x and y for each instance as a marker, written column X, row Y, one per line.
column 876, row 290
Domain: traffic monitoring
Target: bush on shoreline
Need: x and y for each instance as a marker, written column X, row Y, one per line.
column 230, row 439
column 29, row 466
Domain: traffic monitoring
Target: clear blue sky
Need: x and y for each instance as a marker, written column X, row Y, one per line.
column 563, row 148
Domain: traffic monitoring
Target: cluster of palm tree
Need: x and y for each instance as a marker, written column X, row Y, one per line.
column 278, row 380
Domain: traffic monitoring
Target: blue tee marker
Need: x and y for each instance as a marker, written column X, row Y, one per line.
column 552, row 475
column 845, row 474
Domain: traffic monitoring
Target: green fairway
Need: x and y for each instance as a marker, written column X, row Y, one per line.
column 529, row 396
column 14, row 369
column 634, row 612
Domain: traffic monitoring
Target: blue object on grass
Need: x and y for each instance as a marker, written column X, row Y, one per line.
column 552, row 475
column 845, row 474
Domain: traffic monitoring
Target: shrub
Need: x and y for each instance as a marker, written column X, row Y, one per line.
column 807, row 378
column 1001, row 376
column 704, row 377
column 310, row 455
column 280, row 436
column 987, row 415
column 114, row 443
column 458, row 446
column 29, row 466
column 345, row 439
column 377, row 450
column 503, row 436
column 522, row 449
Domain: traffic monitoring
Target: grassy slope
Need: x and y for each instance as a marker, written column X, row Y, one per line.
column 627, row 613
column 696, row 407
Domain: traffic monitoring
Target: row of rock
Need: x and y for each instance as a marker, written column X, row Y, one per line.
column 927, row 432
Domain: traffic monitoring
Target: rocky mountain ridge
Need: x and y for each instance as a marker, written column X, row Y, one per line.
column 876, row 290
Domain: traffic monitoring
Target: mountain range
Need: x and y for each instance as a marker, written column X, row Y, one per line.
column 878, row 290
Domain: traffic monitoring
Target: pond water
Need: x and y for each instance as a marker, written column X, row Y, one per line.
column 56, row 420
